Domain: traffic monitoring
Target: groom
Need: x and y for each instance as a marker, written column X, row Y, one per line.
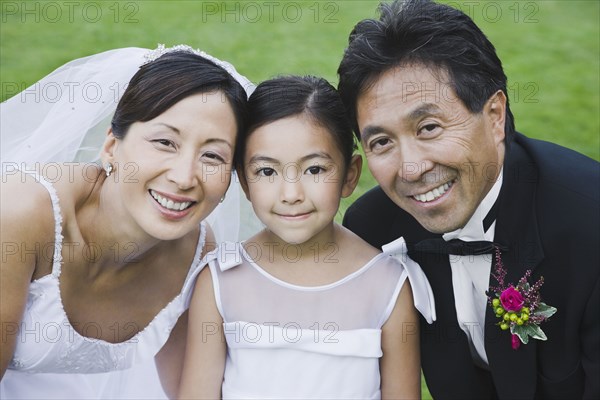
column 427, row 96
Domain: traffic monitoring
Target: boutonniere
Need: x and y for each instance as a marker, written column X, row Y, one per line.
column 519, row 307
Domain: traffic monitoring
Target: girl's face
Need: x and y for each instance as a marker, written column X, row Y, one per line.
column 172, row 171
column 295, row 177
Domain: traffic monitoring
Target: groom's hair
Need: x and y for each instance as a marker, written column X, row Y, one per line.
column 423, row 33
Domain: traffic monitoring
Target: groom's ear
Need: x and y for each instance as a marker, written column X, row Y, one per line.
column 352, row 175
column 495, row 110
column 107, row 154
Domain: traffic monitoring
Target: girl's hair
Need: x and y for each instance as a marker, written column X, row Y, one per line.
column 289, row 96
column 161, row 83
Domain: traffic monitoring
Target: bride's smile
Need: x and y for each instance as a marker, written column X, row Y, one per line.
column 181, row 158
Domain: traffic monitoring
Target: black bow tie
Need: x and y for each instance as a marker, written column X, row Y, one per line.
column 457, row 247
column 460, row 247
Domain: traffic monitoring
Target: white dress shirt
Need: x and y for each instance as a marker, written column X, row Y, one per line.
column 471, row 274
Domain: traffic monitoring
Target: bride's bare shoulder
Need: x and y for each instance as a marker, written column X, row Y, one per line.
column 73, row 181
column 26, row 199
column 26, row 208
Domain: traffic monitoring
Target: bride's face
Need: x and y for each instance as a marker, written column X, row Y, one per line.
column 172, row 171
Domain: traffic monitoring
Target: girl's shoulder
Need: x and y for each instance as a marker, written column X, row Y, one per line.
column 354, row 248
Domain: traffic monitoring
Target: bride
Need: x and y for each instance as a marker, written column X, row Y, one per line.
column 99, row 259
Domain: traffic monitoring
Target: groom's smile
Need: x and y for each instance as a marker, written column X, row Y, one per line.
column 434, row 193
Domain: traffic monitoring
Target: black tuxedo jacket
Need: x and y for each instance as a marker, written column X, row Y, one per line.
column 549, row 217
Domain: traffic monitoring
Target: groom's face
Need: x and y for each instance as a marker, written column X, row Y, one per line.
column 430, row 154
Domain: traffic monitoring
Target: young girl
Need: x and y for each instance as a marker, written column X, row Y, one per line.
column 305, row 308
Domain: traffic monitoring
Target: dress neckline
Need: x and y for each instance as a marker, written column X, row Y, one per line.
column 293, row 286
column 57, row 268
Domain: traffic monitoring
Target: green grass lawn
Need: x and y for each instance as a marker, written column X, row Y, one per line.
column 550, row 49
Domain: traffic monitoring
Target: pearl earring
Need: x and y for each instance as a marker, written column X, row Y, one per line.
column 108, row 167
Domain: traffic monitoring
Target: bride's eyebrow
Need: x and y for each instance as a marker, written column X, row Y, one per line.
column 218, row 140
column 170, row 127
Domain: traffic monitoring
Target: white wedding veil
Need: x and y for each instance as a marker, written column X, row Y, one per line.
column 64, row 117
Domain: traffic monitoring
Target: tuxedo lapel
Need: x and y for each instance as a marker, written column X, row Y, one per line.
column 514, row 371
column 516, row 225
column 444, row 346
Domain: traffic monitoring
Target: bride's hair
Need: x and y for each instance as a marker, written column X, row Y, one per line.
column 161, row 83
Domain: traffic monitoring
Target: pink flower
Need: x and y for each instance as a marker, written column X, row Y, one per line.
column 511, row 299
column 516, row 342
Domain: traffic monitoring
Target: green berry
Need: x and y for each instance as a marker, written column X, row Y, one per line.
column 506, row 317
column 499, row 311
column 496, row 302
column 519, row 321
column 525, row 310
column 524, row 317
column 513, row 317
column 504, row 326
